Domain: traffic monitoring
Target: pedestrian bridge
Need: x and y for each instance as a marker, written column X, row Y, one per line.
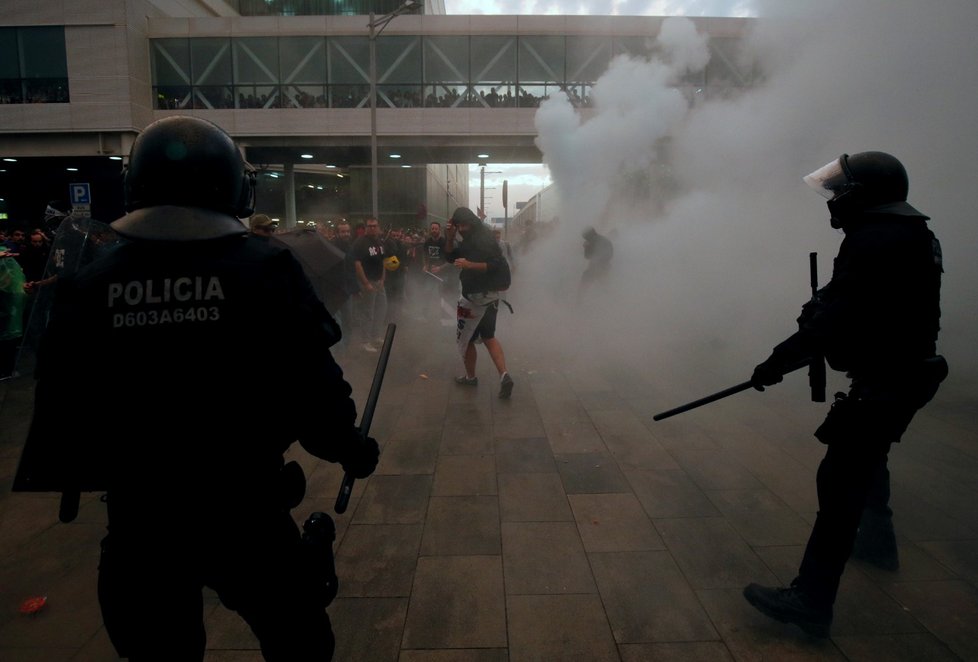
column 449, row 88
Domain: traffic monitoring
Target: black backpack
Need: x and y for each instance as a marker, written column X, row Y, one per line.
column 498, row 276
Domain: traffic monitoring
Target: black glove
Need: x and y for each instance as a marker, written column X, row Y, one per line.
column 766, row 374
column 361, row 457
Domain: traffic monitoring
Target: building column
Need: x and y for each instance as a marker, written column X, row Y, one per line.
column 288, row 169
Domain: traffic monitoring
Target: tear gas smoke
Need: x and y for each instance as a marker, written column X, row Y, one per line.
column 711, row 222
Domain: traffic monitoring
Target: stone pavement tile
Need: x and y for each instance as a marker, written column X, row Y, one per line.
column 693, row 651
column 394, row 500
column 470, row 438
column 918, row 518
column 715, row 470
column 462, row 525
column 24, row 516
column 960, row 556
column 227, row 631
column 367, row 629
column 569, row 436
column 760, row 517
column 98, row 649
column 613, row 523
column 597, row 401
column 233, row 656
column 524, row 455
column 456, row 655
column 647, row 599
column 922, row 647
column 457, row 475
column 750, row 635
column 590, row 473
column 544, row 558
column 378, row 560
column 618, row 421
column 638, row 451
column 710, row 552
column 41, row 655
column 410, row 453
column 532, row 498
column 456, row 602
column 667, row 492
column 570, row 628
column 916, row 564
column 527, row 425
column 948, row 609
column 862, row 607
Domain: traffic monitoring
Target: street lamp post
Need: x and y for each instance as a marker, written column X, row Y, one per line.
column 377, row 26
column 482, row 188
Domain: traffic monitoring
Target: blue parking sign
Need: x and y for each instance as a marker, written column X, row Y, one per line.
column 80, row 194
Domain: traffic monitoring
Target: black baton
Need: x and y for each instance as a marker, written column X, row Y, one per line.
column 346, row 488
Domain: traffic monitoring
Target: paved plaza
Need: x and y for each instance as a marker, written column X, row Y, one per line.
column 563, row 524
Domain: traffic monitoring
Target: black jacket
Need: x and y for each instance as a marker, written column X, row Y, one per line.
column 880, row 313
column 159, row 378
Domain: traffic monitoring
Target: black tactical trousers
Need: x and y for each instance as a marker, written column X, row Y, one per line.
column 850, row 477
column 151, row 581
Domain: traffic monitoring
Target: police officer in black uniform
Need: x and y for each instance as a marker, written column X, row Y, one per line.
column 877, row 320
column 161, row 330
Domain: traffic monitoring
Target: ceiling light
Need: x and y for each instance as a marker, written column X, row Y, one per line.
column 395, row 156
column 405, row 166
column 330, row 166
column 482, row 156
column 340, row 175
column 319, row 188
column 306, row 156
column 10, row 160
column 115, row 158
column 72, row 169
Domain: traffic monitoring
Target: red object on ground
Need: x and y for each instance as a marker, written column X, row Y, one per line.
column 31, row 606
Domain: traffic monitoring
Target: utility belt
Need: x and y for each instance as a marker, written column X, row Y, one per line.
column 489, row 298
column 879, row 408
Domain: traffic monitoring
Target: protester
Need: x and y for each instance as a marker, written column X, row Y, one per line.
column 479, row 261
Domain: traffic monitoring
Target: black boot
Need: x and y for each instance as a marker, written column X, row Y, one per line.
column 876, row 542
column 791, row 605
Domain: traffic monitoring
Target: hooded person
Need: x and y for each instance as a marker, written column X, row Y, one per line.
column 483, row 273
column 197, row 490
column 877, row 320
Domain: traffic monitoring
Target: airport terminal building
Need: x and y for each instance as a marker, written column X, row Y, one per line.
column 291, row 81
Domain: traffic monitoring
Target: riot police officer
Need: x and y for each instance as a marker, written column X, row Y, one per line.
column 197, row 490
column 877, row 320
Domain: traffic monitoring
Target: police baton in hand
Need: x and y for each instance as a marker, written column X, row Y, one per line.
column 346, row 488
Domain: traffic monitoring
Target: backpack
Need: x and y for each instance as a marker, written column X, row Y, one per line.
column 498, row 277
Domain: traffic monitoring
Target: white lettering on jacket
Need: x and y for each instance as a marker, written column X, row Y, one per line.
column 137, row 292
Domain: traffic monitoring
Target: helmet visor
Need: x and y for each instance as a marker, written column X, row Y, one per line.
column 829, row 180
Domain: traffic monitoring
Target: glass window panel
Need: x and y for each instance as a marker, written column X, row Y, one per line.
column 634, row 46
column 493, row 58
column 256, row 96
column 171, row 61
column 46, row 90
column 530, row 96
column 398, row 96
column 726, row 66
column 173, row 97
column 303, row 59
column 541, row 59
column 10, row 91
column 349, row 96
column 256, row 60
column 211, row 61
column 213, row 96
column 587, row 58
column 43, row 52
column 399, row 59
column 304, row 96
column 9, row 57
column 444, row 96
column 579, row 94
column 494, row 96
column 446, row 59
column 349, row 60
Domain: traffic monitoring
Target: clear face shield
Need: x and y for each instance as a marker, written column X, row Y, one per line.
column 830, row 180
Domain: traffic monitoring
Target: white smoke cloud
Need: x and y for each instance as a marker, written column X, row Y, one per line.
column 719, row 271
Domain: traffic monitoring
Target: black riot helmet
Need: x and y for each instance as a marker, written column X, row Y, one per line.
column 186, row 181
column 866, row 182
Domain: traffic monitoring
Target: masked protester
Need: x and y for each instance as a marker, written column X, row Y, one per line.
column 877, row 320
column 196, row 486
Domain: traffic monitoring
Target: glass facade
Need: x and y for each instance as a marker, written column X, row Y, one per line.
column 33, row 65
column 315, row 7
column 451, row 71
